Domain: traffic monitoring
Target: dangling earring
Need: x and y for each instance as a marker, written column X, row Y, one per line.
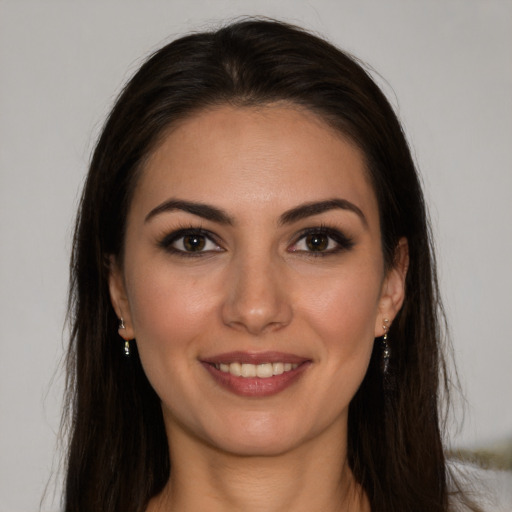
column 386, row 353
column 126, row 341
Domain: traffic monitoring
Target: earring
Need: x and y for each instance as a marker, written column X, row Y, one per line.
column 126, row 342
column 386, row 353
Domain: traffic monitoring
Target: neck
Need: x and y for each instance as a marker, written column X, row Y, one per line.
column 312, row 477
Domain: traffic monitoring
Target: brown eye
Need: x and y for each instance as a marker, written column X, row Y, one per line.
column 194, row 243
column 190, row 242
column 317, row 242
column 321, row 241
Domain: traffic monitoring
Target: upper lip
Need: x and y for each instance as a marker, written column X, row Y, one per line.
column 255, row 358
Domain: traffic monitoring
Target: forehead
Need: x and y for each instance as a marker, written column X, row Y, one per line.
column 268, row 158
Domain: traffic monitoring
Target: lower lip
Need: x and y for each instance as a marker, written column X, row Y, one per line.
column 255, row 386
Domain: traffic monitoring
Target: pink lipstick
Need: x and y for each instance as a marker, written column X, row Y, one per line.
column 255, row 374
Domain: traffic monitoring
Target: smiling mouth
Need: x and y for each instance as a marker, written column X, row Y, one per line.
column 262, row 371
column 256, row 374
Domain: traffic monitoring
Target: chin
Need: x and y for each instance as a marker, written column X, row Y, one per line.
column 257, row 446
column 264, row 437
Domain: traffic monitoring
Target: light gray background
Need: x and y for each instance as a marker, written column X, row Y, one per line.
column 447, row 67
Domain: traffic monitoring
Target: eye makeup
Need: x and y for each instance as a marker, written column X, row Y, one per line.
column 192, row 241
column 195, row 241
column 321, row 241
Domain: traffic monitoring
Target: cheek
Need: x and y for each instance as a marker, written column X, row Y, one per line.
column 344, row 315
column 168, row 309
column 170, row 314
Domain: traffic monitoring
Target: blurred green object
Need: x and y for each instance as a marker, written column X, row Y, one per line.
column 497, row 455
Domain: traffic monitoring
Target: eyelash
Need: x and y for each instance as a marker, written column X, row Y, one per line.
column 168, row 241
column 343, row 243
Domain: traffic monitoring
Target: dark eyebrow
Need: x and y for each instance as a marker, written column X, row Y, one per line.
column 199, row 209
column 216, row 215
column 307, row 210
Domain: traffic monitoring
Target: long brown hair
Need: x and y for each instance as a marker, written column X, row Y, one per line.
column 118, row 455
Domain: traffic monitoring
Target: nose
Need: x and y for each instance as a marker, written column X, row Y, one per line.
column 257, row 299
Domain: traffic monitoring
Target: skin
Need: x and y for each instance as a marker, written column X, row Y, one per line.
column 256, row 286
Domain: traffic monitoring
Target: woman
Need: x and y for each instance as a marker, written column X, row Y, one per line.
column 253, row 228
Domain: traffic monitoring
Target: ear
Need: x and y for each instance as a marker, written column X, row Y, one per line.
column 119, row 298
column 393, row 289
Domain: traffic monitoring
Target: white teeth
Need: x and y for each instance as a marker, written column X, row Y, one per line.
column 235, row 369
column 248, row 370
column 277, row 368
column 263, row 371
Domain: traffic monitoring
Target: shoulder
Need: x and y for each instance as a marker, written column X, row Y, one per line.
column 490, row 490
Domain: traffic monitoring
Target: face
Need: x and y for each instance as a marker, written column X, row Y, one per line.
column 253, row 278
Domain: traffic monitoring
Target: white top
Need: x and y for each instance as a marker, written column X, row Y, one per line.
column 489, row 489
